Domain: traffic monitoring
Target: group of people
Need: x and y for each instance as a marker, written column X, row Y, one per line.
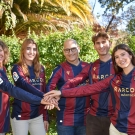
column 111, row 89
column 94, row 98
column 28, row 113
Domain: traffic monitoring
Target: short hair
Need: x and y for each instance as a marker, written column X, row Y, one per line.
column 98, row 35
column 70, row 40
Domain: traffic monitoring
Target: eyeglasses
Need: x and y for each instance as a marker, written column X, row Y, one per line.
column 74, row 49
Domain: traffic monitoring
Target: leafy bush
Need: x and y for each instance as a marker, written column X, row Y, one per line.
column 131, row 43
column 50, row 48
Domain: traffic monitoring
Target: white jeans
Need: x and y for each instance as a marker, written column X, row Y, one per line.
column 2, row 133
column 114, row 131
column 34, row 126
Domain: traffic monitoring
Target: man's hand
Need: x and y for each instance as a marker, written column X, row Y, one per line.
column 53, row 93
column 50, row 105
column 44, row 102
column 54, row 101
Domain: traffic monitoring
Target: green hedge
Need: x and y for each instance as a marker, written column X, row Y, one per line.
column 50, row 48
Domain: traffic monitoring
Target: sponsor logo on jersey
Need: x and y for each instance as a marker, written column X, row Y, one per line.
column 15, row 76
column 100, row 77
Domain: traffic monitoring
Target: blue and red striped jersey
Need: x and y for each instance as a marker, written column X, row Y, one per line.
column 36, row 86
column 4, row 107
column 73, row 110
column 6, row 89
column 122, row 88
column 101, row 104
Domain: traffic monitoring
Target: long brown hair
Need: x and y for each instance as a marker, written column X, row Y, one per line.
column 22, row 63
column 125, row 47
column 6, row 52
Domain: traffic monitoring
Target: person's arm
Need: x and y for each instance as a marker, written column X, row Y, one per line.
column 88, row 89
column 42, row 107
column 83, row 75
column 16, row 92
column 85, row 90
column 55, row 77
column 21, row 81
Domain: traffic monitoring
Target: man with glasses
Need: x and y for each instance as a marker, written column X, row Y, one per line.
column 98, row 118
column 71, row 117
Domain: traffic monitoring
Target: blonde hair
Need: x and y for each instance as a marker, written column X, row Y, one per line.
column 36, row 63
column 6, row 52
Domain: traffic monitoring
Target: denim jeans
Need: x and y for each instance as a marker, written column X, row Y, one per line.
column 71, row 130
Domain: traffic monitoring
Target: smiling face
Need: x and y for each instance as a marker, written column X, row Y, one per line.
column 102, row 46
column 71, row 51
column 30, row 53
column 123, row 59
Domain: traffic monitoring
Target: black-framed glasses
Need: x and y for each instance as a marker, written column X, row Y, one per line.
column 74, row 49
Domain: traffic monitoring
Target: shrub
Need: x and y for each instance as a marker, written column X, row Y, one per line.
column 50, row 48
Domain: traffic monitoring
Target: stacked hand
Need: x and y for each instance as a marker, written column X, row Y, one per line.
column 50, row 104
column 52, row 97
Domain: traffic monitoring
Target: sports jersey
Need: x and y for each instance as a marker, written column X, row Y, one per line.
column 9, row 89
column 101, row 104
column 4, row 108
column 122, row 88
column 36, row 86
column 72, row 110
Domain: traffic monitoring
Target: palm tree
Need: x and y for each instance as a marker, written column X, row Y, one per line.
column 45, row 15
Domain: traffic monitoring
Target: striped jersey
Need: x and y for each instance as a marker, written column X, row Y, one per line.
column 122, row 88
column 101, row 104
column 73, row 110
column 6, row 89
column 23, row 110
column 4, row 107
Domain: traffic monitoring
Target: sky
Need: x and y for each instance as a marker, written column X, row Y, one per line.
column 98, row 11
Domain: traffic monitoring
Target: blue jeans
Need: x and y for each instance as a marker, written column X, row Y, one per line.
column 71, row 130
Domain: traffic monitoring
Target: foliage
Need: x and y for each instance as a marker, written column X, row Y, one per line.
column 114, row 5
column 129, row 16
column 131, row 42
column 45, row 15
column 115, row 11
column 50, row 48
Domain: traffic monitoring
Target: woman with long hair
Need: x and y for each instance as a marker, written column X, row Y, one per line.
column 6, row 89
column 122, row 88
column 29, row 74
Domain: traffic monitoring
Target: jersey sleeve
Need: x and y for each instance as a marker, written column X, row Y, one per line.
column 18, row 93
column 52, row 82
column 83, row 75
column 20, row 80
column 42, row 110
column 101, row 86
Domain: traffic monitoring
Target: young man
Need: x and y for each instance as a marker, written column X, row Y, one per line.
column 71, row 117
column 98, row 118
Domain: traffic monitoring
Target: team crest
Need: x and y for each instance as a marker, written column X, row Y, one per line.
column 68, row 72
column 1, row 81
column 15, row 76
